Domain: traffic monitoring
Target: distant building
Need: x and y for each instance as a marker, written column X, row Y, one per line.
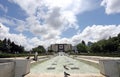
column 89, row 43
column 74, row 48
column 60, row 47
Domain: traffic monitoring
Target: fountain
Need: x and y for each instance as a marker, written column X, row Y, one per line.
column 57, row 65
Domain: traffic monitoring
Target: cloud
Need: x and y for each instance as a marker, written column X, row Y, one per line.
column 19, row 25
column 29, row 6
column 91, row 33
column 19, row 39
column 63, row 40
column 111, row 6
column 49, row 18
column 3, row 31
column 54, row 19
column 21, row 28
column 3, row 8
column 7, row 21
column 96, row 32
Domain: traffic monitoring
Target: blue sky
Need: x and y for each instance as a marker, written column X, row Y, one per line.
column 43, row 22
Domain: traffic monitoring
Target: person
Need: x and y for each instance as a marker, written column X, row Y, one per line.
column 36, row 56
column 28, row 57
column 66, row 74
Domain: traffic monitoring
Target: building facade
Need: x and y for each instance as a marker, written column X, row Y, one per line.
column 60, row 47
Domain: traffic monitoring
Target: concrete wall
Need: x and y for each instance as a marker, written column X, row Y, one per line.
column 7, row 69
column 110, row 68
column 22, row 67
column 94, row 64
column 14, row 68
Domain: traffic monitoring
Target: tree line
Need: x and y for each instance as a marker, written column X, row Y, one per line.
column 40, row 49
column 111, row 45
column 6, row 46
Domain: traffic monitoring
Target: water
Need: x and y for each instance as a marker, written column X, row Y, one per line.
column 60, row 64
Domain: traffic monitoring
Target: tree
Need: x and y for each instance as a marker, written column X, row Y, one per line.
column 81, row 48
column 95, row 48
column 111, row 45
column 12, row 47
column 1, row 46
column 20, row 49
column 39, row 49
column 8, row 45
column 83, row 42
column 118, row 49
column 5, row 48
column 90, row 43
column 119, row 35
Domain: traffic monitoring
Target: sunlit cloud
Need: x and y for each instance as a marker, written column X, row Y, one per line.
column 47, row 20
column 111, row 6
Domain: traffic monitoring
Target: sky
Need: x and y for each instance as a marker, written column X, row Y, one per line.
column 44, row 22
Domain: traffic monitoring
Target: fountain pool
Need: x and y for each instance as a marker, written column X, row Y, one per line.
column 61, row 64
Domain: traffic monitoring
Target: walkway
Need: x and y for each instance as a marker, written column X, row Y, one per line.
column 56, row 67
column 61, row 75
column 97, row 58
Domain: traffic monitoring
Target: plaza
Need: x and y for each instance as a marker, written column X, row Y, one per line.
column 78, row 66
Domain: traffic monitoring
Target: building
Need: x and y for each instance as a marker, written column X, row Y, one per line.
column 60, row 47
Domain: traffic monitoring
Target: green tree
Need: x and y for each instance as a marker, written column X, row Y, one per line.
column 12, row 47
column 20, row 49
column 1, row 46
column 39, row 49
column 119, row 35
column 5, row 48
column 83, row 42
column 90, row 43
column 82, row 48
column 110, row 45
column 95, row 48
column 118, row 49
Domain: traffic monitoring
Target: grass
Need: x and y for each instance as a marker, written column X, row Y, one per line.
column 6, row 55
column 102, row 54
